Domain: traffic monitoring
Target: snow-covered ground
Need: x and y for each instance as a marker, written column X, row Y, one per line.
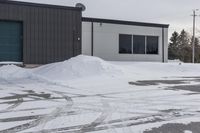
column 88, row 94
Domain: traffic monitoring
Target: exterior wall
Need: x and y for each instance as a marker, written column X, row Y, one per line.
column 86, row 38
column 106, row 41
column 50, row 33
column 165, row 44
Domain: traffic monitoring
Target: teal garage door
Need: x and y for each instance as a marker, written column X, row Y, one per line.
column 11, row 41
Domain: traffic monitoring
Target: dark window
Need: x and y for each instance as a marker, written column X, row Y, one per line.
column 152, row 45
column 125, row 44
column 138, row 44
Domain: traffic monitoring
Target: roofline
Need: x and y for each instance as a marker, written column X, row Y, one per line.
column 38, row 5
column 87, row 19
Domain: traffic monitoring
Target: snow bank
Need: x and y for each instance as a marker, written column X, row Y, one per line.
column 83, row 67
column 12, row 71
column 175, row 61
column 156, row 70
column 77, row 67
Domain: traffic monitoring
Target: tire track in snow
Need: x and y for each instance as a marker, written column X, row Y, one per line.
column 87, row 127
column 106, row 113
column 59, row 110
column 16, row 104
column 118, row 123
column 42, row 120
column 19, row 99
column 33, row 117
column 21, row 110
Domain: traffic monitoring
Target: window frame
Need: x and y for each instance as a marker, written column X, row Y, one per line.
column 144, row 45
column 157, row 47
column 131, row 52
column 132, row 44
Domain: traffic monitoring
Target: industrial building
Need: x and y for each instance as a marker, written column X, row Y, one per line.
column 38, row 33
column 33, row 33
column 117, row 40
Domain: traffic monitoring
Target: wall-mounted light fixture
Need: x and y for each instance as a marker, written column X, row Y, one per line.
column 100, row 24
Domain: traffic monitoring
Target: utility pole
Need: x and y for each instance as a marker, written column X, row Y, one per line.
column 193, row 37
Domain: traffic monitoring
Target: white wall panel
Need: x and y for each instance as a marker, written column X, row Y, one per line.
column 106, row 41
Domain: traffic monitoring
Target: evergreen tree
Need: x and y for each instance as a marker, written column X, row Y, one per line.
column 184, row 47
column 184, row 38
column 180, row 47
column 173, row 46
column 197, row 50
column 197, row 42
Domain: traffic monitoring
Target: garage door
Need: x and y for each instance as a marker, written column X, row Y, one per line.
column 10, row 41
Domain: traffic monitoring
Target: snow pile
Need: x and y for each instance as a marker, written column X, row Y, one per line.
column 12, row 71
column 77, row 67
column 156, row 70
column 175, row 61
column 83, row 67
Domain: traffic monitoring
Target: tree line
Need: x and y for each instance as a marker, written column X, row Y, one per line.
column 180, row 47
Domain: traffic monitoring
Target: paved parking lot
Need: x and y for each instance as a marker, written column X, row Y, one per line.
column 159, row 106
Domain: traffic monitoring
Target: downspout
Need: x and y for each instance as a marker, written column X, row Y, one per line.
column 163, row 45
column 92, row 39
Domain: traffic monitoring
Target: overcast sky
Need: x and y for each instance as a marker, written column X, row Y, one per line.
column 174, row 12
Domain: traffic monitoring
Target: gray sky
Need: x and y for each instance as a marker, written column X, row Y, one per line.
column 174, row 12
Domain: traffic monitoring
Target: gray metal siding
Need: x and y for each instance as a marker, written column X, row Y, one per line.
column 49, row 34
